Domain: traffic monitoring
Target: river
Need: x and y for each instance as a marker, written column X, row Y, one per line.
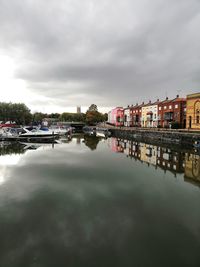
column 99, row 202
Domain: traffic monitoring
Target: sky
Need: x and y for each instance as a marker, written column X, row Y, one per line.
column 56, row 55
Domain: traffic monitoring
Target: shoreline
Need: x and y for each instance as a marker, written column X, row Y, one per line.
column 158, row 136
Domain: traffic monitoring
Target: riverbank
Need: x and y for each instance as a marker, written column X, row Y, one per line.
column 158, row 136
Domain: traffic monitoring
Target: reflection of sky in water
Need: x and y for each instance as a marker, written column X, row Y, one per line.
column 80, row 207
column 6, row 161
column 9, row 160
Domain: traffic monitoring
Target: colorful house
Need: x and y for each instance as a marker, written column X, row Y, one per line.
column 193, row 111
column 127, row 117
column 150, row 114
column 136, row 115
column 172, row 112
column 116, row 116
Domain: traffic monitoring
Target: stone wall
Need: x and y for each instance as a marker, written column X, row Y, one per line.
column 186, row 139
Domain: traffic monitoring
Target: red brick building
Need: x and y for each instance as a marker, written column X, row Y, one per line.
column 172, row 111
column 136, row 115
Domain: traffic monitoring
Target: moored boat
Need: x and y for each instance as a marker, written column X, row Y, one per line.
column 60, row 130
column 103, row 132
column 36, row 134
column 90, row 130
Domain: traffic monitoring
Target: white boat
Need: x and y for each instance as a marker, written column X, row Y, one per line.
column 103, row 132
column 60, row 130
column 5, row 133
column 90, row 130
column 36, row 134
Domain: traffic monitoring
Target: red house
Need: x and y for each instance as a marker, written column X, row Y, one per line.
column 136, row 115
column 172, row 111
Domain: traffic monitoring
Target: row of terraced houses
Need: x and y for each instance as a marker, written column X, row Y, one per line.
column 168, row 113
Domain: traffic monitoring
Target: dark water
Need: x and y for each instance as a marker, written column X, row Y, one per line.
column 91, row 202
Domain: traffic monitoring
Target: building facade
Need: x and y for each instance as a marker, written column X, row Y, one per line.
column 127, row 117
column 116, row 116
column 150, row 114
column 172, row 112
column 78, row 109
column 193, row 111
column 136, row 115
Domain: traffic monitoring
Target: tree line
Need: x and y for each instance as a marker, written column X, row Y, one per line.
column 21, row 114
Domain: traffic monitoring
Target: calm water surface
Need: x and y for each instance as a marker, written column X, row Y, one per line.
column 94, row 202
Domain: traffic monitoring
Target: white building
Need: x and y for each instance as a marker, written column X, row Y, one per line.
column 150, row 114
column 127, row 117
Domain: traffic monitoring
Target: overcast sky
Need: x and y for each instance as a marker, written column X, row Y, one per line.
column 55, row 55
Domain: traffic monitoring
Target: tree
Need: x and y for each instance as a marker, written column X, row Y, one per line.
column 78, row 117
column 17, row 112
column 93, row 107
column 54, row 115
column 93, row 116
column 38, row 117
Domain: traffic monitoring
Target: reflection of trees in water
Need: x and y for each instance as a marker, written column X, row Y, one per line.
column 91, row 141
column 8, row 148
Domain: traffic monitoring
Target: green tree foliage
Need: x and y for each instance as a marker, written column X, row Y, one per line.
column 54, row 115
column 77, row 117
column 19, row 113
column 105, row 116
column 93, row 107
column 39, row 116
column 93, row 116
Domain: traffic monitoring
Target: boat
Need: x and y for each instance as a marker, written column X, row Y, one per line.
column 6, row 134
column 34, row 134
column 60, row 130
column 7, row 124
column 90, row 130
column 103, row 132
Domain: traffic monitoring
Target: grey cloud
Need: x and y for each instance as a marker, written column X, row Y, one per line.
column 110, row 52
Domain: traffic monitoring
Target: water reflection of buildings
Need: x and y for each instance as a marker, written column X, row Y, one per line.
column 192, row 167
column 162, row 157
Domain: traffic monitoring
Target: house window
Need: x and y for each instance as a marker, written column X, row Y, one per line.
column 176, row 106
column 160, row 108
column 165, row 107
column 170, row 107
column 198, row 119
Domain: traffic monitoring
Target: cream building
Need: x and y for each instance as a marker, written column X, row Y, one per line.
column 193, row 111
column 150, row 114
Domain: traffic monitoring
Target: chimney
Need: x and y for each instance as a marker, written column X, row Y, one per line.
column 149, row 101
column 177, row 96
column 157, row 99
column 143, row 103
column 136, row 104
column 166, row 98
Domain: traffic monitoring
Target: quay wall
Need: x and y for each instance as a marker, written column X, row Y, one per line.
column 175, row 137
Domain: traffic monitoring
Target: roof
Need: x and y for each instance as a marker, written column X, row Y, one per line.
column 196, row 95
column 179, row 99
